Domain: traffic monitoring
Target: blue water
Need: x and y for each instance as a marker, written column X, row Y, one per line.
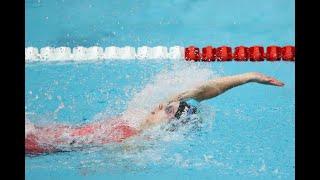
column 248, row 131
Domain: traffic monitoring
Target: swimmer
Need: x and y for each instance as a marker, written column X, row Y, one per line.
column 39, row 140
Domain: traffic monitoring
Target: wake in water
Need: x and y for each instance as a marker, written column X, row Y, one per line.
column 152, row 146
column 165, row 84
column 168, row 82
column 157, row 123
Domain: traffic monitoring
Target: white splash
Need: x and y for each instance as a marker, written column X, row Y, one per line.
column 167, row 83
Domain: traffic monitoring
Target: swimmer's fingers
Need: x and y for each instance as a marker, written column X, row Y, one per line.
column 275, row 82
column 272, row 81
column 263, row 79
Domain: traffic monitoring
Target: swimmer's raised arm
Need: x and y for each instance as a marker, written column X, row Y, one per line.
column 215, row 87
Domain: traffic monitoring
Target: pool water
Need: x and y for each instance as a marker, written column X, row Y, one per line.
column 247, row 133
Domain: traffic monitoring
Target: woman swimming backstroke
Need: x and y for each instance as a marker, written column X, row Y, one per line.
column 57, row 138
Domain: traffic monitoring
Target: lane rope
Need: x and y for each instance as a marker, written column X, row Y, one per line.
column 190, row 53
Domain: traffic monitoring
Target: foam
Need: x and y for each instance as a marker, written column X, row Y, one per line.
column 80, row 53
column 165, row 84
column 29, row 128
column 176, row 78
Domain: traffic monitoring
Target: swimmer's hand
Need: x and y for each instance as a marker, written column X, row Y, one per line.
column 263, row 79
column 215, row 87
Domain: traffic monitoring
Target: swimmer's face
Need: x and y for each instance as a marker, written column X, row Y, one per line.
column 164, row 111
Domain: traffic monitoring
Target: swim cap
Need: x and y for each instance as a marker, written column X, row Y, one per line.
column 185, row 109
column 185, row 116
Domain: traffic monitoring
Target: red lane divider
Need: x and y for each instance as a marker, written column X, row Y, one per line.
column 224, row 53
column 192, row 53
column 273, row 53
column 256, row 53
column 288, row 53
column 241, row 53
column 208, row 54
